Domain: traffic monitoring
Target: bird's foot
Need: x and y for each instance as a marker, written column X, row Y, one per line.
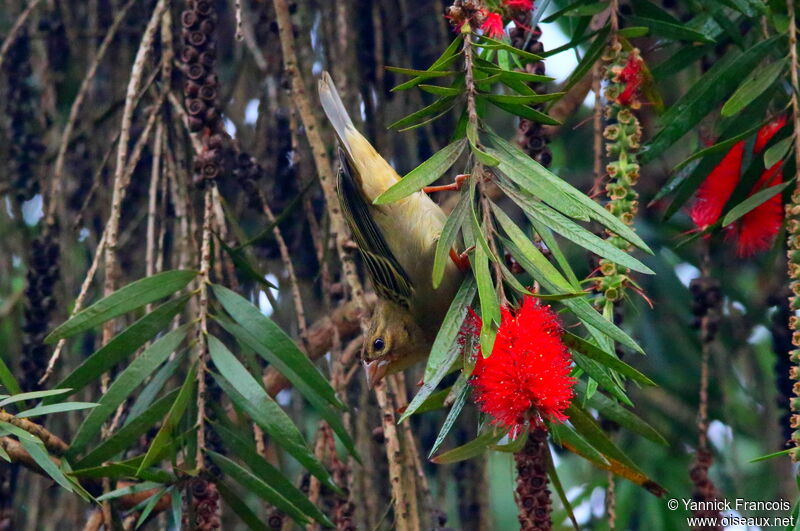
column 461, row 260
column 456, row 185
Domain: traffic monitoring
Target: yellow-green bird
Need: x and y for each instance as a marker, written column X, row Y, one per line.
column 397, row 242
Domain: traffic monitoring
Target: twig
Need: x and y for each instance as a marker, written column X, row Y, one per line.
column 202, row 339
column 152, row 201
column 597, row 129
column 793, row 66
column 12, row 33
column 52, row 442
column 237, row 7
column 119, row 189
column 87, row 283
column 72, row 120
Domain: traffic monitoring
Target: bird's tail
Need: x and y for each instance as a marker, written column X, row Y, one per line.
column 336, row 112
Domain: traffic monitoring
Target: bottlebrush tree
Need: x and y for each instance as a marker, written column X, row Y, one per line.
column 183, row 308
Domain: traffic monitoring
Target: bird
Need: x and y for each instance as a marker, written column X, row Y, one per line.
column 397, row 243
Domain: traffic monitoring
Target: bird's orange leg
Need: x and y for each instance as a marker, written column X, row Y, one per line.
column 461, row 260
column 456, row 185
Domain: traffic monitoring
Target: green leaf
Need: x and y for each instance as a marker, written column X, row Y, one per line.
column 489, row 43
column 54, row 408
column 752, row 87
column 537, row 180
column 245, row 450
column 239, row 259
column 513, row 74
column 777, row 152
column 443, row 353
column 452, row 416
column 722, row 145
column 257, row 486
column 440, row 91
column 125, row 469
column 533, row 261
column 704, row 96
column 250, row 396
column 568, row 438
column 151, row 504
column 471, row 449
column 602, row 377
column 130, row 489
column 153, row 387
column 526, row 112
column 32, row 395
column 574, row 232
column 238, row 506
column 447, row 58
column 671, row 31
column 171, row 421
column 7, row 378
column 599, row 355
column 122, row 345
column 38, row 453
column 322, row 407
column 129, row 433
column 521, row 100
column 490, row 307
column 424, row 174
column 285, row 354
column 754, row 201
column 613, row 411
column 133, row 375
column 442, row 104
column 588, row 428
column 133, row 296
column 421, row 73
column 447, row 238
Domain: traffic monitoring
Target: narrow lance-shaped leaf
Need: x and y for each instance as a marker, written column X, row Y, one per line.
column 777, row 152
column 752, row 202
column 165, row 432
column 235, row 502
column 443, row 353
column 247, row 393
column 532, row 260
column 295, row 364
column 133, row 296
column 452, row 416
column 122, row 345
column 54, row 408
column 704, row 96
column 254, row 484
column 671, row 31
column 471, row 449
column 752, row 87
column 129, row 433
column 245, row 450
column 424, row 174
column 128, row 380
column 322, row 407
column 32, row 395
column 449, row 235
column 601, row 356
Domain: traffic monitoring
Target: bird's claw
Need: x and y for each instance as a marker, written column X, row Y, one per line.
column 455, row 186
column 461, row 260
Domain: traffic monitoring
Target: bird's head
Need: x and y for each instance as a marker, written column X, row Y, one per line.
column 393, row 342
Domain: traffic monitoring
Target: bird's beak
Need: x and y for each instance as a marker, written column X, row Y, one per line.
column 376, row 370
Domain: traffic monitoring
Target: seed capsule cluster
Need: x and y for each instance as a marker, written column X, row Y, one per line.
column 623, row 136
column 205, row 506
column 532, row 492
column 793, row 260
column 201, row 87
column 40, row 303
column 466, row 12
column 25, row 149
column 530, row 135
column 247, row 171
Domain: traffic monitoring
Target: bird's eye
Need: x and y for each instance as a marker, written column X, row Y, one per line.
column 378, row 344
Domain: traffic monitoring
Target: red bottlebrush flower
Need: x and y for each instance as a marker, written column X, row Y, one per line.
column 493, row 25
column 757, row 229
column 527, row 376
column 631, row 75
column 766, row 133
column 521, row 5
column 717, row 188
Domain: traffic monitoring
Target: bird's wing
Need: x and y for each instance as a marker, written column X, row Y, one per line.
column 388, row 276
